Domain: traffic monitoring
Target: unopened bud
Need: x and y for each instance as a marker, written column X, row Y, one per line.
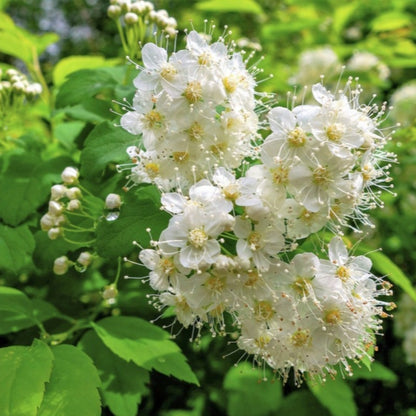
column 47, row 222
column 110, row 294
column 114, row 11
column 70, row 175
column 57, row 192
column 84, row 258
column 73, row 193
column 113, row 201
column 73, row 205
column 60, row 265
column 131, row 18
column 55, row 208
column 54, row 233
column 124, row 5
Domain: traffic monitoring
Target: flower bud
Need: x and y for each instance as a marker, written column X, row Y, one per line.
column 114, row 11
column 47, row 222
column 58, row 192
column 55, row 208
column 73, row 193
column 131, row 18
column 73, row 205
column 54, row 233
column 113, row 201
column 84, row 258
column 60, row 265
column 124, row 5
column 70, row 175
column 110, row 293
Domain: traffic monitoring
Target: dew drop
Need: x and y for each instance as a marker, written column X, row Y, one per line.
column 112, row 216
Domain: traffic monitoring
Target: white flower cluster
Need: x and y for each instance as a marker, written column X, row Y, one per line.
column 194, row 110
column 235, row 221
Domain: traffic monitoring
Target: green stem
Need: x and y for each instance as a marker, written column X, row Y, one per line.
column 118, row 274
column 122, row 37
column 79, row 243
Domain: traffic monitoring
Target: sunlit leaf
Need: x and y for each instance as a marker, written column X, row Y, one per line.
column 147, row 345
column 239, row 6
column 23, row 374
column 73, row 386
column 123, row 383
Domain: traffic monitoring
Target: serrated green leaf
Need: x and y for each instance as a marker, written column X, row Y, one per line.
column 249, row 394
column 377, row 372
column 16, row 247
column 106, row 143
column 239, row 6
column 147, row 345
column 84, row 84
column 139, row 211
column 90, row 109
column 74, row 63
column 73, row 386
column 123, row 383
column 23, row 374
column 335, row 395
column 18, row 312
column 302, row 403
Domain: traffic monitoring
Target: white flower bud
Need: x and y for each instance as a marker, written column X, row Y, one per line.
column 58, row 192
column 114, row 11
column 131, row 18
column 60, row 265
column 110, row 293
column 73, row 193
column 73, row 205
column 125, row 5
column 84, row 258
column 55, row 208
column 54, row 233
column 47, row 222
column 70, row 175
column 113, row 201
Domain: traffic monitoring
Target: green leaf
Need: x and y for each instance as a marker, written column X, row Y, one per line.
column 335, row 395
column 248, row 394
column 90, row 109
column 23, row 374
column 139, row 211
column 74, row 63
column 84, row 84
column 391, row 20
column 239, row 6
column 18, row 312
column 123, row 383
column 385, row 266
column 302, row 403
column 377, row 372
column 16, row 247
column 73, row 386
column 66, row 132
column 27, row 184
column 147, row 345
column 106, row 143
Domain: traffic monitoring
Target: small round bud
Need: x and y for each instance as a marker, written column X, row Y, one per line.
column 58, row 192
column 70, row 175
column 73, row 205
column 85, row 258
column 124, row 5
column 60, row 265
column 54, row 233
column 113, row 201
column 131, row 18
column 47, row 222
column 55, row 208
column 114, row 11
column 73, row 193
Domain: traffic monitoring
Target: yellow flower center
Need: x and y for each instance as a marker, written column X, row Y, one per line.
column 335, row 131
column 254, row 240
column 168, row 72
column 193, row 92
column 343, row 273
column 332, row 316
column 320, row 176
column 180, row 157
column 280, row 175
column 195, row 132
column 296, row 137
column 263, row 311
column 153, row 119
column 300, row 337
column 301, row 286
column 197, row 237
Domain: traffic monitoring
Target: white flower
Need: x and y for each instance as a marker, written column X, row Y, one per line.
column 70, row 175
column 61, row 265
column 112, row 201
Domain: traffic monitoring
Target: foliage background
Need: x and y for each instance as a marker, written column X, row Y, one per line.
column 66, row 128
